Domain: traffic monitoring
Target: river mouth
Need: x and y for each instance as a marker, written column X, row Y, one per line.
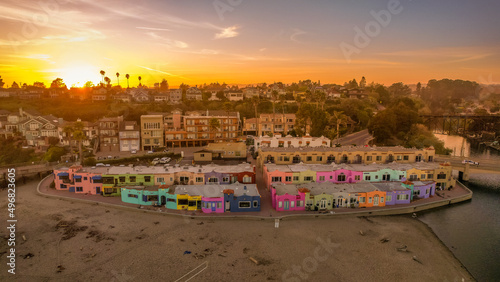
column 471, row 230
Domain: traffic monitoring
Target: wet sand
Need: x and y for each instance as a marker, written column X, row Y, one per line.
column 73, row 241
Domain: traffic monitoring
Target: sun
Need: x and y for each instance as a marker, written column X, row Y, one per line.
column 77, row 76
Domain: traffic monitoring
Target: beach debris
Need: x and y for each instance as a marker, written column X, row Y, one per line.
column 81, row 248
column 402, row 249
column 361, row 233
column 276, row 223
column 221, row 255
column 200, row 223
column 107, row 211
column 414, row 215
column 156, row 222
column 187, row 252
column 384, row 240
column 70, row 228
column 60, row 268
column 24, row 237
column 245, row 250
column 416, row 259
column 28, row 255
column 254, row 260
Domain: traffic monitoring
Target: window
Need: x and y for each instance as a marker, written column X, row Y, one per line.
column 213, row 180
column 146, row 179
column 357, row 177
column 292, row 204
column 341, row 177
column 368, row 177
column 219, row 205
column 416, row 192
column 386, row 177
column 280, row 204
column 401, row 177
column 79, row 189
column 247, row 179
column 85, row 178
column 255, row 204
column 430, row 176
column 63, row 186
column 422, row 176
column 182, row 202
column 362, row 200
column 376, row 177
column 331, row 159
column 319, row 158
column 199, row 179
column 441, row 176
column 368, row 158
column 244, row 204
column 308, row 178
column 405, row 158
column 225, row 179
column 402, row 197
column 295, row 178
column 132, row 178
column 78, row 179
column 369, row 199
column 322, row 178
column 389, row 198
column 286, row 158
column 381, row 199
column 276, row 179
column 309, row 158
column 133, row 196
column 379, row 158
column 398, row 158
column 426, row 191
column 160, row 179
column 413, row 177
column 300, row 203
column 288, row 178
column 122, row 179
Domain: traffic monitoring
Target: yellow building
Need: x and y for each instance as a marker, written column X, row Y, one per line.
column 345, row 154
column 221, row 150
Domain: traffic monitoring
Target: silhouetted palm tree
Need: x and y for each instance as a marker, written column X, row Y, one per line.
column 127, row 76
column 108, row 81
column 118, row 78
column 140, row 81
column 102, row 74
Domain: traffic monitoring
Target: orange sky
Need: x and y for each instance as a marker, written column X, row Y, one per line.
column 250, row 42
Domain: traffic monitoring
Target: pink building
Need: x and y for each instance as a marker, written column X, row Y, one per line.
column 288, row 197
column 212, row 205
column 75, row 179
column 339, row 176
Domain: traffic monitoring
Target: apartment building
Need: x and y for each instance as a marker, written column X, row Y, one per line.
column 152, row 127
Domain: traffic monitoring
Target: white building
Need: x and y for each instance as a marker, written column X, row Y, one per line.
column 290, row 142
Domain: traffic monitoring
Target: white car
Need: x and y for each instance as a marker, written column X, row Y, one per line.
column 155, row 161
column 133, row 152
column 99, row 164
column 110, row 157
column 150, row 152
column 164, row 160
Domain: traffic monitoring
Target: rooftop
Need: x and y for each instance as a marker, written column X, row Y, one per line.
column 395, row 149
column 216, row 190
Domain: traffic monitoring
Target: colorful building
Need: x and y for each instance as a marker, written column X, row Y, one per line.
column 79, row 180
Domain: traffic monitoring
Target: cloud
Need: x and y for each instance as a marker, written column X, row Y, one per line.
column 446, row 54
column 227, row 32
column 159, row 71
column 168, row 42
column 296, row 33
column 152, row 28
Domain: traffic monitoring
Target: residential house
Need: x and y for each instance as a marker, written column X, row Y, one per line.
column 152, row 129
column 193, row 93
column 109, row 137
column 277, row 141
column 130, row 136
column 221, row 150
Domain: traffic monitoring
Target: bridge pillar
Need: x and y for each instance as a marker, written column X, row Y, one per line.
column 465, row 176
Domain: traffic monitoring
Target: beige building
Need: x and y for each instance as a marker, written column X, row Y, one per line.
column 281, row 124
column 221, row 151
column 152, row 132
column 345, row 154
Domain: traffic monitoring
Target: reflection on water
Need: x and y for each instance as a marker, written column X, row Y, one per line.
column 464, row 148
column 471, row 230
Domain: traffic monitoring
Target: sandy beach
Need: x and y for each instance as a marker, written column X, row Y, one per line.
column 88, row 242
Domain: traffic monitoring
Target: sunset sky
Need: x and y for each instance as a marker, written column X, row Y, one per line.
column 253, row 41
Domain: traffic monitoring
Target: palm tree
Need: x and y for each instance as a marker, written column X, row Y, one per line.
column 228, row 107
column 214, row 125
column 127, row 76
column 321, row 98
column 102, row 74
column 108, row 81
column 255, row 101
column 68, row 130
column 80, row 136
column 118, row 78
column 338, row 118
column 274, row 95
column 282, row 102
column 140, row 81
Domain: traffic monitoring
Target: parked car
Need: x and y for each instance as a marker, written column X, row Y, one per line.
column 156, row 161
column 150, row 152
column 164, row 160
column 110, row 157
column 133, row 152
column 99, row 164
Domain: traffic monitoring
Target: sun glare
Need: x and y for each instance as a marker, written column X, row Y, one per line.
column 79, row 75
